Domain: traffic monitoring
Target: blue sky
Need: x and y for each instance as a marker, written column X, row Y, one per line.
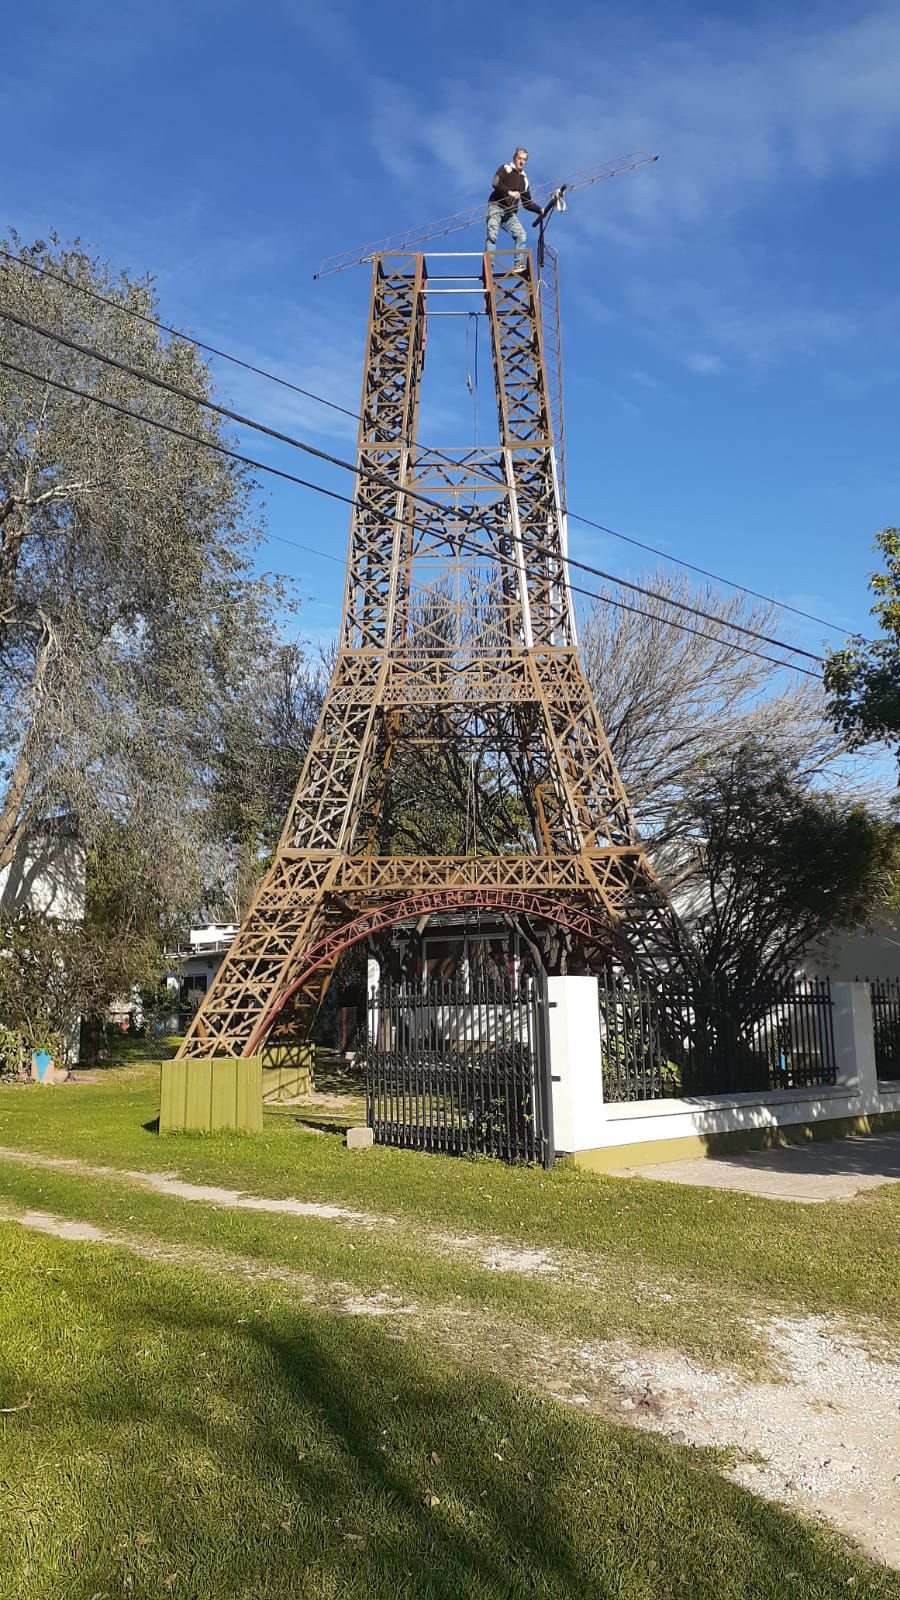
column 731, row 314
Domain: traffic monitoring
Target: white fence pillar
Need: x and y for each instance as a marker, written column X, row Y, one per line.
column 854, row 1043
column 373, row 1010
column 575, row 1064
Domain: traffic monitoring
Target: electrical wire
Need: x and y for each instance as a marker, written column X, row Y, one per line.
column 176, row 333
column 530, row 546
column 498, row 557
column 704, row 572
column 309, row 394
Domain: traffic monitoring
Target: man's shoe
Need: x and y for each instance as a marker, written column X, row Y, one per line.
column 522, row 269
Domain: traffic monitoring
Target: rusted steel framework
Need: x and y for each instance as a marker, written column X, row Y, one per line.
column 551, row 327
column 457, row 622
column 592, row 929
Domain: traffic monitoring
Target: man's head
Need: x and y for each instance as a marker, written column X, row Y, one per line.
column 520, row 158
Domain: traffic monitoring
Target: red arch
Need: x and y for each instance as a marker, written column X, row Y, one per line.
column 545, row 906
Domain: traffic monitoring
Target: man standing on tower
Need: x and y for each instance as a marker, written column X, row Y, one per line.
column 510, row 186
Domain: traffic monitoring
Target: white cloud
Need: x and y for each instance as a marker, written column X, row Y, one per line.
column 760, row 324
column 704, row 363
column 733, row 108
column 324, row 359
column 626, row 406
column 326, row 28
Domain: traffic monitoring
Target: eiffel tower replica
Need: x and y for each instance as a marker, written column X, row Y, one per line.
column 457, row 623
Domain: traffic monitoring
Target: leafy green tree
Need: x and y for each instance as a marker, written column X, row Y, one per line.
column 779, row 864
column 863, row 679
column 55, row 970
column 52, row 973
column 129, row 611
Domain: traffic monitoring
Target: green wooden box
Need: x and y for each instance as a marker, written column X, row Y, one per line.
column 287, row 1070
column 206, row 1096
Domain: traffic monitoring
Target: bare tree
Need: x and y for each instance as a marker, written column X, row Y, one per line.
column 266, row 724
column 673, row 701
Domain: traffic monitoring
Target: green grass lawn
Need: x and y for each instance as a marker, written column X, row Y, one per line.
column 725, row 1248
column 183, row 1434
column 206, row 1424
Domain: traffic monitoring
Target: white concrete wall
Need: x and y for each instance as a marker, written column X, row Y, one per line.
column 46, row 875
column 583, row 1122
column 640, row 1121
column 576, row 1076
column 857, row 953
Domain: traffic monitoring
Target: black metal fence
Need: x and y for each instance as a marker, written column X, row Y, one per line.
column 683, row 1037
column 885, row 995
column 461, row 1068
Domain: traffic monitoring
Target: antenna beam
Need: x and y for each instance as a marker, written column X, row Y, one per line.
column 414, row 238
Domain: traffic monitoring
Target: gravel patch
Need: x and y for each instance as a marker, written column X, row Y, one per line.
column 497, row 1255
column 825, row 1440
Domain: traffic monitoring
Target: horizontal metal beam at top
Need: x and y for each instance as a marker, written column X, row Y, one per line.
column 439, row 255
column 538, row 445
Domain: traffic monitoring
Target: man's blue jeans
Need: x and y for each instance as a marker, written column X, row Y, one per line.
column 498, row 217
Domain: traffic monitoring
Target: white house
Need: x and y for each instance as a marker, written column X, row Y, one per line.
column 192, row 968
column 47, row 874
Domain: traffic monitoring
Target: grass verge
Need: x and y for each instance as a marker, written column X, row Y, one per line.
column 602, row 1303
column 183, row 1435
column 839, row 1257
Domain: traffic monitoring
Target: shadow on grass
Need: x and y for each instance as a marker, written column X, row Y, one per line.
column 279, row 1452
column 314, row 1121
column 324, row 1125
column 335, row 1075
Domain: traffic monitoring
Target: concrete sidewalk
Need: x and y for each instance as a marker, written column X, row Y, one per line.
column 833, row 1169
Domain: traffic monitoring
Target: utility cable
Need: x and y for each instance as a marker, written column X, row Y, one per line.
column 530, row 546
column 305, row 483
column 176, row 333
column 272, row 377
column 678, row 561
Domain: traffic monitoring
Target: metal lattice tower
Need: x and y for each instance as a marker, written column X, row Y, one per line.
column 492, row 646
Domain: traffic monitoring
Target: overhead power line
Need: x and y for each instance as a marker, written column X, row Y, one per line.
column 309, row 394
column 143, row 376
column 176, row 333
column 262, row 466
column 704, row 572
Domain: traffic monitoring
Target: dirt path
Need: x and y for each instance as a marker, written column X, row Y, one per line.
column 169, row 1183
column 825, row 1441
column 497, row 1255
